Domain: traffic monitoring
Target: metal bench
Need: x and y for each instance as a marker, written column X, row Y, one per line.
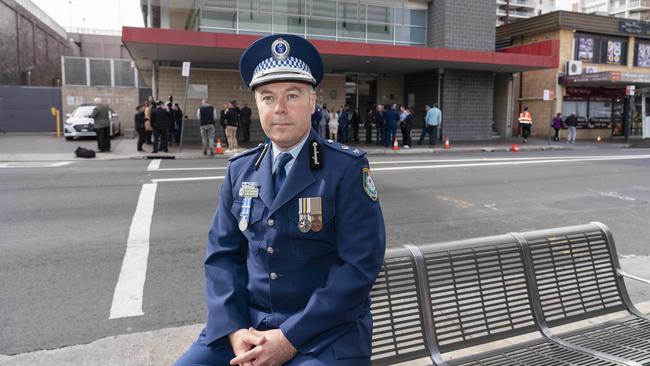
column 438, row 298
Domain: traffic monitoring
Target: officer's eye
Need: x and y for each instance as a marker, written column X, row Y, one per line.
column 293, row 96
column 267, row 98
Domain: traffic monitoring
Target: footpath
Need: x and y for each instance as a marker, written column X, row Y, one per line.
column 27, row 147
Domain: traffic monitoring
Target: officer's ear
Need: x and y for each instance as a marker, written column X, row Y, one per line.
column 312, row 98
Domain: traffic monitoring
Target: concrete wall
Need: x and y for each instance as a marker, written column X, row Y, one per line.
column 122, row 100
column 466, row 24
column 467, row 105
column 27, row 42
column 390, row 85
column 101, row 46
column 502, row 111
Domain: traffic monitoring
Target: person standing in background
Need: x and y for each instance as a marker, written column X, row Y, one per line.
column 406, row 122
column 245, row 122
column 324, row 120
column 432, row 120
column 344, row 121
column 334, row 124
column 138, row 124
column 370, row 121
column 557, row 124
column 101, row 116
column 207, row 116
column 572, row 124
column 149, row 106
column 355, row 122
column 378, row 118
column 525, row 123
column 391, row 116
column 160, row 121
column 231, row 120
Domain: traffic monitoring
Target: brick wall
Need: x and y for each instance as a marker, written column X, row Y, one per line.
column 467, row 105
column 467, row 24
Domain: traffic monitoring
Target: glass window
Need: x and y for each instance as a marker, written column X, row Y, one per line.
column 123, row 73
column 380, row 32
column 411, row 35
column 256, row 5
column 100, row 72
column 289, row 6
column 318, row 27
column 230, row 4
column 288, row 24
column 585, row 48
column 219, row 19
column 352, row 21
column 255, row 21
column 600, row 109
column 642, row 54
column 380, row 14
column 579, row 108
column 410, row 17
column 322, row 9
column 75, row 71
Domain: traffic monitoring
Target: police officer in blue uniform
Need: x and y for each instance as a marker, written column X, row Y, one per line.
column 298, row 237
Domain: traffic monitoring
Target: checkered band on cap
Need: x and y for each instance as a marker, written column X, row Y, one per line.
column 289, row 68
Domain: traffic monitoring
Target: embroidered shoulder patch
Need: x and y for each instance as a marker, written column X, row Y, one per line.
column 369, row 185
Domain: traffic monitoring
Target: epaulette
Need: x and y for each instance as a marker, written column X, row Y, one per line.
column 349, row 150
column 247, row 152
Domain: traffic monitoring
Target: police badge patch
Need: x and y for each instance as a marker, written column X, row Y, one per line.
column 369, row 185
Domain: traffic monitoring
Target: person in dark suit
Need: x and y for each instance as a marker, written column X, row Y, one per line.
column 160, row 121
column 139, row 125
column 245, row 122
column 298, row 237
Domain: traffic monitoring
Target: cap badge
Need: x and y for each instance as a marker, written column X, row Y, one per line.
column 280, row 49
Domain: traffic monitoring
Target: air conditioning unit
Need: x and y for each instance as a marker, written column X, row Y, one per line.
column 574, row 67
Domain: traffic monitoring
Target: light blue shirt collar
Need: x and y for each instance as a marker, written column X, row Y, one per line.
column 294, row 153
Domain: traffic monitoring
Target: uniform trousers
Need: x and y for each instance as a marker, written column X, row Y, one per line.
column 220, row 353
column 525, row 130
column 160, row 138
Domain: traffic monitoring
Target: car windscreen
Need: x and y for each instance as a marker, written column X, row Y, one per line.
column 83, row 111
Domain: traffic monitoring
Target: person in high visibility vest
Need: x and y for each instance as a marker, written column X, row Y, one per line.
column 525, row 122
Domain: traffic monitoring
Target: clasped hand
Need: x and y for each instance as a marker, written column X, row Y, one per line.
column 267, row 348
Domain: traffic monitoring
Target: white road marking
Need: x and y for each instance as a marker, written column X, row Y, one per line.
column 501, row 163
column 600, row 157
column 191, row 179
column 127, row 298
column 190, row 169
column 29, row 164
column 491, row 206
column 154, row 165
column 617, row 196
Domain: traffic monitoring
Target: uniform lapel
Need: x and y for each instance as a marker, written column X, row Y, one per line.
column 263, row 176
column 299, row 178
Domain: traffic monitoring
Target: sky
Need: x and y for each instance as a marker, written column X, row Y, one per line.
column 93, row 14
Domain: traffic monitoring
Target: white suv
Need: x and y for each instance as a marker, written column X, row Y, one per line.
column 78, row 123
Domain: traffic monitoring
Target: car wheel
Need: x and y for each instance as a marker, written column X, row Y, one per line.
column 69, row 138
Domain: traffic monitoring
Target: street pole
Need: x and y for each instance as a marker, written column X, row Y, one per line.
column 187, row 82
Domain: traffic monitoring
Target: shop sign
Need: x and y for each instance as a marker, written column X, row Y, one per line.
column 607, row 93
column 185, row 72
column 629, row 90
column 636, row 27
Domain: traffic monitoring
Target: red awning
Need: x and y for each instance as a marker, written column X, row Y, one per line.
column 224, row 50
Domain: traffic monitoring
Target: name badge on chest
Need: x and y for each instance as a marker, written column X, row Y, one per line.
column 310, row 214
column 248, row 191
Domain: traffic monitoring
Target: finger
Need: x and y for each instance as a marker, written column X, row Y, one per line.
column 255, row 332
column 246, row 357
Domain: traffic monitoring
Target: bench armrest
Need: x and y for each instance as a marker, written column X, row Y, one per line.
column 633, row 277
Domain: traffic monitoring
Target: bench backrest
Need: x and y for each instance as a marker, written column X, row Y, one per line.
column 574, row 272
column 398, row 326
column 478, row 291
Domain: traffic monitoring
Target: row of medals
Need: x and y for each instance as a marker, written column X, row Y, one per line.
column 310, row 209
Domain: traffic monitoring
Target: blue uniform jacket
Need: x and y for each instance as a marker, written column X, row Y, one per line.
column 391, row 116
column 314, row 286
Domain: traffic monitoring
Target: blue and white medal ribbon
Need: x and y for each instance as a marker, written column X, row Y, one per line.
column 245, row 213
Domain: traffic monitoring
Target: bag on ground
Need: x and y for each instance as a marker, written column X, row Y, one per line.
column 84, row 153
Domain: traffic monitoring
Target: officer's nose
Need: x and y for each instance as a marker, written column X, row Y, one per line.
column 280, row 106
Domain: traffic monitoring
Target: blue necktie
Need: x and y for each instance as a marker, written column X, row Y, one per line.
column 280, row 173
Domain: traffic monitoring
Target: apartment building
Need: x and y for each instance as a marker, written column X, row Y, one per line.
column 509, row 11
column 631, row 9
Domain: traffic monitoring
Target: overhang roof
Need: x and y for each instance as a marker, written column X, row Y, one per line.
column 223, row 50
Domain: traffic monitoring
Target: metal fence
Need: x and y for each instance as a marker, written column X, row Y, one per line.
column 91, row 71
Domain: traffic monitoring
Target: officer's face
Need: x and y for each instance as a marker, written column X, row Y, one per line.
column 285, row 111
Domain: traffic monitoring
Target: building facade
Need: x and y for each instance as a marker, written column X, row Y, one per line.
column 31, row 44
column 509, row 11
column 631, row 9
column 415, row 52
column 603, row 76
